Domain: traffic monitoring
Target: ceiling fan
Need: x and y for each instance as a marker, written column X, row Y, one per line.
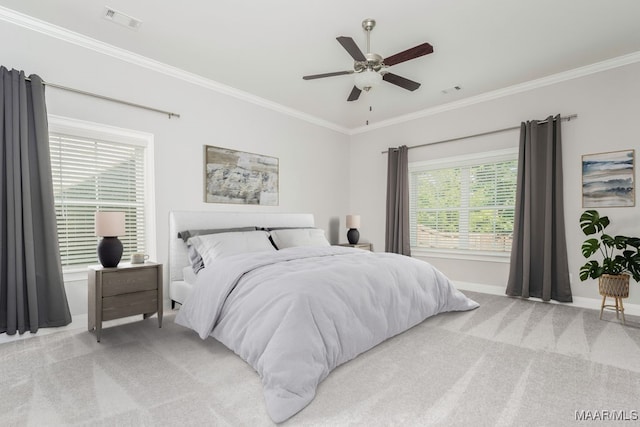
column 370, row 68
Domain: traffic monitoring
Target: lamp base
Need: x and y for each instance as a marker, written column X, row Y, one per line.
column 110, row 251
column 353, row 235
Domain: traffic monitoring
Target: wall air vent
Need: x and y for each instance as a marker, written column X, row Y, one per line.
column 121, row 18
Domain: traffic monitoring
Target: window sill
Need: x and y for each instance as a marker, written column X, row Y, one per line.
column 498, row 257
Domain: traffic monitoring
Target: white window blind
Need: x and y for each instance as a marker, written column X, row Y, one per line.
column 90, row 175
column 464, row 204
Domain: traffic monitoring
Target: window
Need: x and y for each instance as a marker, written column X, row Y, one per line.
column 464, row 204
column 98, row 168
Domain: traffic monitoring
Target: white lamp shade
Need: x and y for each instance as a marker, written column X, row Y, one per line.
column 367, row 79
column 109, row 224
column 353, row 221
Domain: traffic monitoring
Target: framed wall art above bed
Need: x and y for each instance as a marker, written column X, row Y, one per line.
column 237, row 177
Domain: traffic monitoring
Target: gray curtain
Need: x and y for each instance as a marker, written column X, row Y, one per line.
column 31, row 288
column 397, row 225
column 539, row 266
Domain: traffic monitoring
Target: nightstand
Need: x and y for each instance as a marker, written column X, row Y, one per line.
column 365, row 246
column 126, row 290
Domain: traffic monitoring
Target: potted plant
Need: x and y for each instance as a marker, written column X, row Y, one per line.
column 620, row 257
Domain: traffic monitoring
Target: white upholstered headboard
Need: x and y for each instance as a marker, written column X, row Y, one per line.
column 190, row 220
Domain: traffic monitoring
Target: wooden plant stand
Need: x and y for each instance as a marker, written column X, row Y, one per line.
column 616, row 287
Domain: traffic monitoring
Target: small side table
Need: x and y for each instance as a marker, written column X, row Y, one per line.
column 365, row 246
column 126, row 290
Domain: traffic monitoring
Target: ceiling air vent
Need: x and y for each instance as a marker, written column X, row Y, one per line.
column 451, row 89
column 121, row 18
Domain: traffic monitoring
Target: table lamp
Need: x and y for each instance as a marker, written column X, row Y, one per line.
column 109, row 225
column 353, row 222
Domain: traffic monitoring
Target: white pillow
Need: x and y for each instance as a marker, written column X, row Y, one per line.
column 214, row 246
column 289, row 238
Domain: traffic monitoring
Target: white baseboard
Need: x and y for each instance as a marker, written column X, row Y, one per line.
column 582, row 302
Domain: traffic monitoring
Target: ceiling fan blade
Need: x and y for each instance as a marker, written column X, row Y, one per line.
column 355, row 94
column 350, row 46
column 401, row 81
column 319, row 76
column 414, row 52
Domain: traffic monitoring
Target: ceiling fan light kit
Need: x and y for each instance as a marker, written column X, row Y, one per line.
column 370, row 68
column 367, row 79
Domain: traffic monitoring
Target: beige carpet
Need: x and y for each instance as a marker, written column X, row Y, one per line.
column 510, row 362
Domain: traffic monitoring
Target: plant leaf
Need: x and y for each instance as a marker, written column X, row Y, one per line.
column 590, row 269
column 620, row 242
column 607, row 240
column 633, row 241
column 613, row 265
column 589, row 247
column 632, row 264
column 591, row 222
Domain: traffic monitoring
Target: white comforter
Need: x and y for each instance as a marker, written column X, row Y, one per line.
column 296, row 314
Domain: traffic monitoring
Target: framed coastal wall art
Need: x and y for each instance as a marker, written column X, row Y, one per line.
column 608, row 179
column 232, row 176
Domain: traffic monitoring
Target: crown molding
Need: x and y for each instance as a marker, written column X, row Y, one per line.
column 597, row 67
column 51, row 30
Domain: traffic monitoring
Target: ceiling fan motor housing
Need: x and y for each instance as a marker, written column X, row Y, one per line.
column 373, row 62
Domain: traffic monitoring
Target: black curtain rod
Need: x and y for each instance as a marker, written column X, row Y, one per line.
column 564, row 119
column 108, row 98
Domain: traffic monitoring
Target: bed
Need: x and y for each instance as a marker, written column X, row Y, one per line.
column 181, row 279
column 275, row 292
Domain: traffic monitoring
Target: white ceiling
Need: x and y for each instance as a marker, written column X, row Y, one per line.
column 265, row 47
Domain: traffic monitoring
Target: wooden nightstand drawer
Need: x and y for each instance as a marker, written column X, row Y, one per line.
column 130, row 304
column 128, row 281
column 126, row 290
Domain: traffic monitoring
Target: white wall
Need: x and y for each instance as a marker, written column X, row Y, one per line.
column 608, row 106
column 313, row 160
